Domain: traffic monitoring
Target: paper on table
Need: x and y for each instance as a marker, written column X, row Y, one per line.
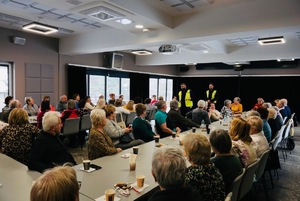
column 125, row 155
column 102, row 198
column 89, row 170
column 135, row 188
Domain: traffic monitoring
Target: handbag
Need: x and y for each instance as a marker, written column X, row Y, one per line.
column 273, row 162
column 125, row 139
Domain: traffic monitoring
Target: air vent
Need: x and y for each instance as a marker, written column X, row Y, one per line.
column 102, row 13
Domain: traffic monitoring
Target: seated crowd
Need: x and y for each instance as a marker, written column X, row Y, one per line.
column 214, row 162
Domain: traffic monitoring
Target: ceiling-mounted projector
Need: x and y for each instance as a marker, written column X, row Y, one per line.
column 168, row 49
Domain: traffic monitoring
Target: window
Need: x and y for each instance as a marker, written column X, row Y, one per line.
column 96, row 87
column 113, row 86
column 125, row 88
column 105, row 83
column 161, row 87
column 5, row 82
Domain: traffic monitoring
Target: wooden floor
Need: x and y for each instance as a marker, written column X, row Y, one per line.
column 287, row 187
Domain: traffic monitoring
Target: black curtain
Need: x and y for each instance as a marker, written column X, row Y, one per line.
column 139, row 86
column 76, row 81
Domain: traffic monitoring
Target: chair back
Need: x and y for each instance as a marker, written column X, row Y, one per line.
column 85, row 122
column 71, row 126
column 228, row 197
column 234, row 188
column 262, row 164
column 278, row 137
column 287, row 130
column 152, row 114
column 247, row 181
column 120, row 117
column 130, row 118
column 284, row 119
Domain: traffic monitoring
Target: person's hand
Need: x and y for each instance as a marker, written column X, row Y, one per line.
column 119, row 150
column 128, row 130
column 178, row 130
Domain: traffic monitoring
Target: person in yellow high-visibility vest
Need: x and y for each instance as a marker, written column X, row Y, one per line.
column 185, row 99
column 211, row 94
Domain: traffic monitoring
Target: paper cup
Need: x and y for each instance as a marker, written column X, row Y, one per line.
column 86, row 164
column 135, row 150
column 140, row 179
column 109, row 195
column 132, row 163
column 156, row 138
column 194, row 129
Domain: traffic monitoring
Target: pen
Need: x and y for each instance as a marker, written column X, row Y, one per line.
column 135, row 190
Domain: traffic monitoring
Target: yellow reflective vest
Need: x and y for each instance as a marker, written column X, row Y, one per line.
column 188, row 101
column 213, row 95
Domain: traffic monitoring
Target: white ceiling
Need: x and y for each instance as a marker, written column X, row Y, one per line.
column 227, row 29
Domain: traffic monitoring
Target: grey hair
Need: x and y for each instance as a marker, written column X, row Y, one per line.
column 174, row 104
column 160, row 104
column 62, row 96
column 201, row 103
column 227, row 101
column 71, row 104
column 14, row 104
column 169, row 167
column 50, row 119
column 98, row 116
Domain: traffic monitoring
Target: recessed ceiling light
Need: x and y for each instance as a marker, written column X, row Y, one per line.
column 37, row 27
column 146, row 30
column 141, row 52
column 139, row 26
column 124, row 21
column 205, row 51
column 271, row 40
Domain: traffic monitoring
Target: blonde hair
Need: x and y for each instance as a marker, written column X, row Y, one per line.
column 59, row 184
column 272, row 113
column 197, row 148
column 130, row 104
column 256, row 124
column 100, row 103
column 109, row 110
column 18, row 116
column 240, row 130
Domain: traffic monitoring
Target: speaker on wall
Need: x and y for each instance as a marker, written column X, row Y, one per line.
column 184, row 68
column 113, row 60
column 19, row 40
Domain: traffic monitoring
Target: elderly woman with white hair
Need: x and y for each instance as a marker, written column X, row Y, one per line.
column 199, row 114
column 99, row 143
column 226, row 109
column 48, row 150
column 169, row 170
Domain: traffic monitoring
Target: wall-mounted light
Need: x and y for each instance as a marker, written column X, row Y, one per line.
column 37, row 27
column 141, row 52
